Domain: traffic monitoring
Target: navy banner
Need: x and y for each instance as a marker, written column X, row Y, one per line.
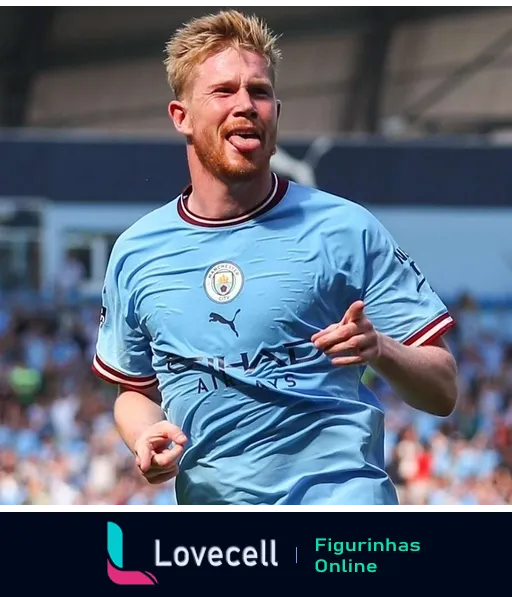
column 231, row 553
column 370, row 172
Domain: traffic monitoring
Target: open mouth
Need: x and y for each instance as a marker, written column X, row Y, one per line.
column 244, row 139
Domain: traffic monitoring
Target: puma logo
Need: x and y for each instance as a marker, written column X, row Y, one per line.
column 220, row 319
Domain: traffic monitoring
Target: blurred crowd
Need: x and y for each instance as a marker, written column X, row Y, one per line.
column 58, row 444
column 464, row 459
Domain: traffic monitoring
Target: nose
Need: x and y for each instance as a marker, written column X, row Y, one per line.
column 244, row 105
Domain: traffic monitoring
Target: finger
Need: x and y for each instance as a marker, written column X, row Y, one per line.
column 167, row 457
column 321, row 333
column 340, row 334
column 153, row 473
column 154, row 470
column 143, row 455
column 355, row 312
column 345, row 361
column 363, row 356
column 163, row 477
column 356, row 343
column 166, row 430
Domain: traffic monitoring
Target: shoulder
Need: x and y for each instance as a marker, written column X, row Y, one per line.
column 136, row 244
column 143, row 231
column 342, row 212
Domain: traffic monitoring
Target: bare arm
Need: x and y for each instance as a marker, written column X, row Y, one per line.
column 425, row 377
column 144, row 429
column 135, row 411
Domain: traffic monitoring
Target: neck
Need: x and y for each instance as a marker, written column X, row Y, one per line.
column 217, row 199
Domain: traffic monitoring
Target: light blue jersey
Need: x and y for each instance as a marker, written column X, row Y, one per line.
column 220, row 314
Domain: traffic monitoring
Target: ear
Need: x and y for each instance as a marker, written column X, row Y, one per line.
column 178, row 112
column 279, row 106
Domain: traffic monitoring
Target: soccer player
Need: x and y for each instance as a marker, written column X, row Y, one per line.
column 238, row 318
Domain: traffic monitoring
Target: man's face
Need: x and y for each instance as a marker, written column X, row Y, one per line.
column 232, row 114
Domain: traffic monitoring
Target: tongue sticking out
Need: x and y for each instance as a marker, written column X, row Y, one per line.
column 243, row 143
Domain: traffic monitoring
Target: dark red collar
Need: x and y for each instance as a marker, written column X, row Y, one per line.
column 278, row 191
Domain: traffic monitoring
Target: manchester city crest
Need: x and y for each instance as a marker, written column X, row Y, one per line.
column 223, row 282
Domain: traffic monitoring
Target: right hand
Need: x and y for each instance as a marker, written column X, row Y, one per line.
column 156, row 460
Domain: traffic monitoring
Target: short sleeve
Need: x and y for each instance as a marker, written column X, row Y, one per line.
column 123, row 352
column 399, row 300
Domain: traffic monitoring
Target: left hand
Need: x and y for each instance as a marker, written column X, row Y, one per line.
column 354, row 333
column 156, row 460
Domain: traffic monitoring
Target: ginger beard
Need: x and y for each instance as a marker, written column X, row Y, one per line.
column 224, row 161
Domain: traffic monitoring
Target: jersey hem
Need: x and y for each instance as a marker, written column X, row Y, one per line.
column 432, row 331
column 114, row 376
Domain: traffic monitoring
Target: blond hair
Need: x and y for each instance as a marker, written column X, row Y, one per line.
column 201, row 37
